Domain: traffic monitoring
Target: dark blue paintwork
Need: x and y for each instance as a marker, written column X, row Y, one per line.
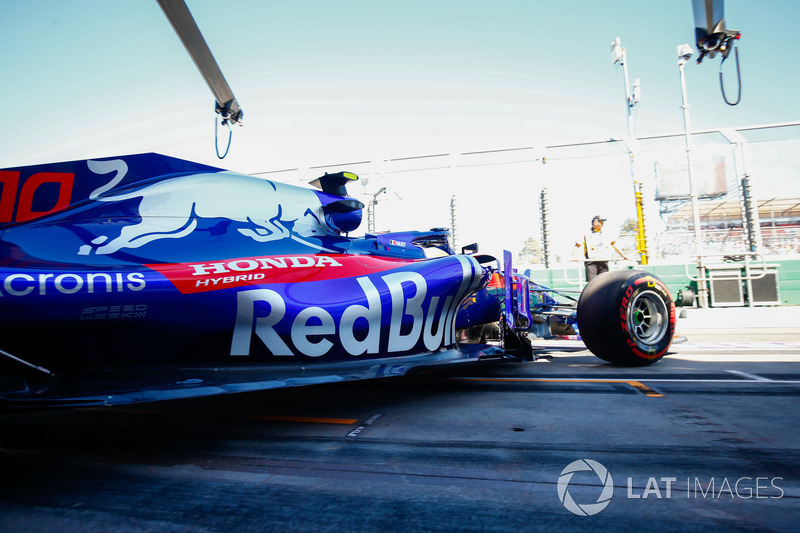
column 146, row 277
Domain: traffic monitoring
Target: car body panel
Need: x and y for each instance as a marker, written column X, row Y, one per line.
column 145, row 266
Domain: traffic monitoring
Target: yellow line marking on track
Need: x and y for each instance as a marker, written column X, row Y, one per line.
column 308, row 419
column 641, row 387
column 124, row 410
column 638, row 385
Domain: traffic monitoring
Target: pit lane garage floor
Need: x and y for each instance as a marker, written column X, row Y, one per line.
column 705, row 440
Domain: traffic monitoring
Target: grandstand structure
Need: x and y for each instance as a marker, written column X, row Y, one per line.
column 722, row 227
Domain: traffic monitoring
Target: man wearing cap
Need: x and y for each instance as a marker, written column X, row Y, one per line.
column 598, row 249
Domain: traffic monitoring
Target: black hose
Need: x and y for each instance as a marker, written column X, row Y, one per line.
column 216, row 139
column 738, row 78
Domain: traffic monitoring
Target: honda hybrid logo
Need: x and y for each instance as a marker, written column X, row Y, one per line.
column 585, row 509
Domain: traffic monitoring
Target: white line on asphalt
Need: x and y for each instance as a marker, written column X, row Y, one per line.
column 754, row 377
column 738, row 346
column 672, row 380
column 737, row 357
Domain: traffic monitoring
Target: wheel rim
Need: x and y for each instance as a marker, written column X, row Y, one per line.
column 648, row 318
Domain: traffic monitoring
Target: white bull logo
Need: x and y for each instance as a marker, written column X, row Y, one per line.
column 169, row 209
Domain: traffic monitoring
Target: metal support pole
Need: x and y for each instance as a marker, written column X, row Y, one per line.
column 371, row 210
column 371, row 217
column 184, row 25
column 620, row 56
column 545, row 227
column 750, row 220
column 453, row 225
column 751, row 224
column 641, row 242
column 685, row 53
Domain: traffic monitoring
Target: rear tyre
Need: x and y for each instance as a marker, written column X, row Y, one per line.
column 627, row 317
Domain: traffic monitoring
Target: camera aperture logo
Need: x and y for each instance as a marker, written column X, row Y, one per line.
column 585, row 509
column 743, row 487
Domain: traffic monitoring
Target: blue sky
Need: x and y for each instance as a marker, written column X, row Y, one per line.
column 324, row 82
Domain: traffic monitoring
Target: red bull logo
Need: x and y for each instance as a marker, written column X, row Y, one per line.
column 414, row 317
column 170, row 209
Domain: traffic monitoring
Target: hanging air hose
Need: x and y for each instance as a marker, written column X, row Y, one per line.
column 738, row 79
column 185, row 26
column 216, row 137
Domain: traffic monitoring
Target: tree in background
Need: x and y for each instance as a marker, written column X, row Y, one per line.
column 629, row 226
column 531, row 253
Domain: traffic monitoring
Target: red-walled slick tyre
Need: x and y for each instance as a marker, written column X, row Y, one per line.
column 627, row 317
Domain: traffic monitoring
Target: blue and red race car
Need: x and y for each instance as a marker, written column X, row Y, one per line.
column 145, row 277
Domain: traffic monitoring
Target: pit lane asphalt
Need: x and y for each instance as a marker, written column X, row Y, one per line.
column 705, row 440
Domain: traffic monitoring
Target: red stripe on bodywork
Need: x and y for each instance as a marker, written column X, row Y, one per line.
column 206, row 276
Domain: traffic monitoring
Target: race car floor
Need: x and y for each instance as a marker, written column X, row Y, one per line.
column 704, row 440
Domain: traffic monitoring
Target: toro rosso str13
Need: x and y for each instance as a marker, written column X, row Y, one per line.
column 145, row 277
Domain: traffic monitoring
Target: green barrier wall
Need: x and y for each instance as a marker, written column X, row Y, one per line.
column 676, row 279
column 788, row 281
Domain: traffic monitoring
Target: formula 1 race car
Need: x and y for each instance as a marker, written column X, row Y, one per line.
column 145, row 277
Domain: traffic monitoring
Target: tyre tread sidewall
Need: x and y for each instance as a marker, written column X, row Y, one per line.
column 602, row 310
